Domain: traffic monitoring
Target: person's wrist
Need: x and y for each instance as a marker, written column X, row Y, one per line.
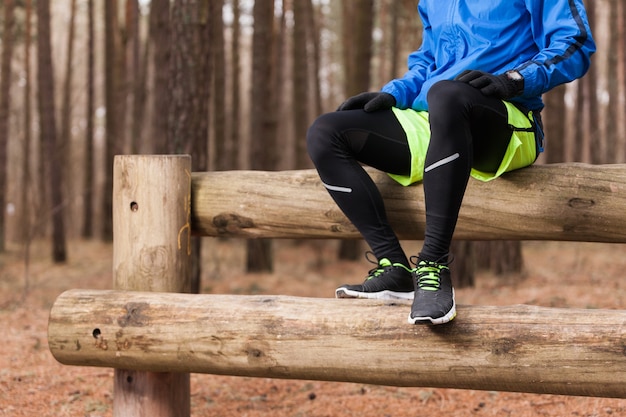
column 516, row 79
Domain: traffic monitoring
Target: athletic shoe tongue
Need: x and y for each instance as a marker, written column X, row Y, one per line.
column 384, row 262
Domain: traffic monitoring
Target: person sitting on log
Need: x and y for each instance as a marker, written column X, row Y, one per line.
column 469, row 105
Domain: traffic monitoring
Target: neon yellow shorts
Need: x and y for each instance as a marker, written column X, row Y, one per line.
column 521, row 152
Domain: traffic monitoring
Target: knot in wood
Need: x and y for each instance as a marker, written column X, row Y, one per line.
column 134, row 315
column 231, row 223
column 503, row 346
column 581, row 203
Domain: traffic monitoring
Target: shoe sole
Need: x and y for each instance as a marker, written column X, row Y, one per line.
column 381, row 295
column 449, row 316
column 429, row 320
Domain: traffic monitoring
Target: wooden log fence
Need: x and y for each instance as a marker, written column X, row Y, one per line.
column 154, row 336
column 564, row 202
column 517, row 348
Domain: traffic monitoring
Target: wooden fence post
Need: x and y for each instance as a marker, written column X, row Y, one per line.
column 151, row 252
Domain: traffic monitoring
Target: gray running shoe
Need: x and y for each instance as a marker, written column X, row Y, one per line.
column 390, row 281
column 434, row 296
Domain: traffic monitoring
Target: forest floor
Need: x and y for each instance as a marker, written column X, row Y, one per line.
column 32, row 383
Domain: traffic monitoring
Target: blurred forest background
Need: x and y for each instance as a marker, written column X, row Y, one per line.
column 234, row 83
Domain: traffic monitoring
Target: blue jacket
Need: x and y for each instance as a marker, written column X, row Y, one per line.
column 548, row 41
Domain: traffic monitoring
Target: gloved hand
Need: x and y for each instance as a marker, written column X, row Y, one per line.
column 369, row 101
column 500, row 86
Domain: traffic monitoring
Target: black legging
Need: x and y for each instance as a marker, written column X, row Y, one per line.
column 467, row 130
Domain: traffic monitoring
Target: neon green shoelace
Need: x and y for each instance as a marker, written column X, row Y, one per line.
column 428, row 275
column 382, row 264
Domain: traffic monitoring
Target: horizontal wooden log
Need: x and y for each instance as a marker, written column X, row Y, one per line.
column 567, row 202
column 517, row 348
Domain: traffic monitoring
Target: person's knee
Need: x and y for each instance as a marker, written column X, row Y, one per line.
column 448, row 96
column 319, row 136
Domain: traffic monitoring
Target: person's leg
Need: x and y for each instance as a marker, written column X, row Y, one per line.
column 467, row 130
column 338, row 143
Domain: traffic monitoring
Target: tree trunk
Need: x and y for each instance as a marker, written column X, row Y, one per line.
column 500, row 257
column 598, row 145
column 26, row 191
column 5, row 102
column 615, row 123
column 136, row 74
column 313, row 41
column 181, row 75
column 88, row 169
column 232, row 158
column 347, row 46
column 47, row 123
column 507, row 258
column 357, row 34
column 359, row 44
column 300, row 91
column 263, row 119
column 554, row 124
column 190, row 75
column 582, row 144
column 462, row 272
column 394, row 50
column 223, row 147
column 620, row 110
column 160, row 40
column 65, row 140
column 282, row 106
column 112, row 124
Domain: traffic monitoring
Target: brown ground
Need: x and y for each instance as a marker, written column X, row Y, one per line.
column 32, row 383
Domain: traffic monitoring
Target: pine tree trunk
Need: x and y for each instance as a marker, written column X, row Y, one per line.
column 136, row 75
column 48, row 130
column 500, row 257
column 235, row 112
column 65, row 139
column 553, row 118
column 263, row 119
column 89, row 184
column 615, row 122
column 313, row 40
column 222, row 146
column 5, row 87
column 300, row 102
column 598, row 145
column 160, row 42
column 111, row 122
column 463, row 264
column 506, row 257
column 357, row 34
column 190, row 76
column 26, row 203
column 621, row 108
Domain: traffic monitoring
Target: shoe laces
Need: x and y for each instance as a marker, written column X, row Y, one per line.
column 427, row 273
column 381, row 265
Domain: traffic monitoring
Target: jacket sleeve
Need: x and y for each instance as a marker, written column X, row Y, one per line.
column 565, row 43
column 420, row 63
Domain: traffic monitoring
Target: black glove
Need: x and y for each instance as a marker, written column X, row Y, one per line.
column 501, row 86
column 369, row 102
